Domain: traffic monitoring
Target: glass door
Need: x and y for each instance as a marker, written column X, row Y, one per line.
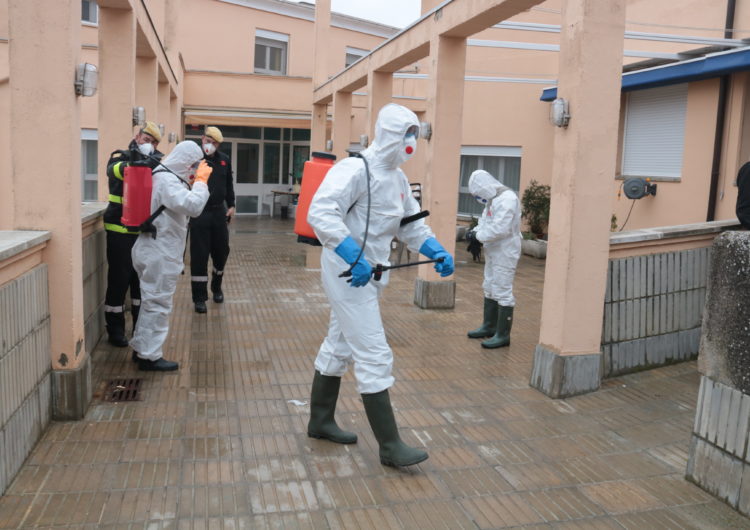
column 247, row 187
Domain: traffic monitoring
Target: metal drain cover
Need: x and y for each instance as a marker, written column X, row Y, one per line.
column 123, row 390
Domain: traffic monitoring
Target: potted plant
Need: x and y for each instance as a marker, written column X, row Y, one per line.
column 535, row 210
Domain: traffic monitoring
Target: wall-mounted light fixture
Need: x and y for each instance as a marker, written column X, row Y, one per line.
column 364, row 140
column 329, row 145
column 86, row 80
column 139, row 116
column 162, row 129
column 558, row 113
column 425, row 130
column 172, row 138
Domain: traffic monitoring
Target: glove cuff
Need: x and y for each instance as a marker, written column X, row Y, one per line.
column 348, row 250
column 431, row 247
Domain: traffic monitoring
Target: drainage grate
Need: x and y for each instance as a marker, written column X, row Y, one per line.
column 123, row 390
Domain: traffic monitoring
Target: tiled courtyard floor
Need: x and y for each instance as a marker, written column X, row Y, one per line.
column 222, row 443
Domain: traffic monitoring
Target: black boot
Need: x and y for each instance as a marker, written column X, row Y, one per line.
column 504, row 323
column 323, row 397
column 200, row 307
column 393, row 452
column 216, row 286
column 159, row 365
column 489, row 325
column 116, row 328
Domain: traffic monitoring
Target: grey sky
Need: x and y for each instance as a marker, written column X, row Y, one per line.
column 398, row 13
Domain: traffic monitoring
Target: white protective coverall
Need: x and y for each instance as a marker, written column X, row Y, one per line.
column 499, row 230
column 159, row 261
column 339, row 209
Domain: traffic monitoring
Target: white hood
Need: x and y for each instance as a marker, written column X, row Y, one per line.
column 182, row 158
column 388, row 148
column 484, row 185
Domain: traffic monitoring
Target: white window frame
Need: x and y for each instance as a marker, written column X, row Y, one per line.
column 95, row 21
column 485, row 151
column 654, row 133
column 88, row 135
column 271, row 39
column 354, row 52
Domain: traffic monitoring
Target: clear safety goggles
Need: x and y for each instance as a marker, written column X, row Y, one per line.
column 480, row 199
column 412, row 131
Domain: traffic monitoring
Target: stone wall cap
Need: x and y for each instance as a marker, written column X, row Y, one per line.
column 13, row 242
column 673, row 232
column 92, row 210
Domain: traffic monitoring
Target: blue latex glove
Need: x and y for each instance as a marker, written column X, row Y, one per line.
column 434, row 250
column 348, row 250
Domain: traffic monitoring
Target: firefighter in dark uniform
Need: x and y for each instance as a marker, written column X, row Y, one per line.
column 120, row 240
column 209, row 233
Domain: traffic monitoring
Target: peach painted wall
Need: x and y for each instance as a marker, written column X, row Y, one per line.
column 685, row 201
column 232, row 49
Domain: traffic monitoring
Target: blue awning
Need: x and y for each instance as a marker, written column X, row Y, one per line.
column 713, row 65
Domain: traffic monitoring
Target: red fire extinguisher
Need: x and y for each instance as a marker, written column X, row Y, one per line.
column 312, row 175
column 136, row 196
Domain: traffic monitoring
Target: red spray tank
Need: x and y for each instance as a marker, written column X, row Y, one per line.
column 136, row 196
column 312, row 175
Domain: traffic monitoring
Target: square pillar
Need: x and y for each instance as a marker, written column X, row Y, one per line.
column 49, row 197
column 440, row 187
column 175, row 120
column 163, row 111
column 318, row 127
column 379, row 94
column 342, row 123
column 147, row 86
column 116, row 85
column 568, row 359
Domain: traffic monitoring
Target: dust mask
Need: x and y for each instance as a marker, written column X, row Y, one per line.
column 145, row 148
column 209, row 148
column 409, row 147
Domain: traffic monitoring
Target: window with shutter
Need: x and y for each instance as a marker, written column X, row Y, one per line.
column 654, row 138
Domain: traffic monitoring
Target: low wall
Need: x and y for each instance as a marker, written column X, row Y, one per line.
column 656, row 289
column 94, row 273
column 719, row 458
column 25, row 368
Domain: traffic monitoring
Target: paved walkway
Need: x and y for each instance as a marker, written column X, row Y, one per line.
column 222, row 443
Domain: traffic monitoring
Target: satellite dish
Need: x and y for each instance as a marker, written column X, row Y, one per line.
column 637, row 188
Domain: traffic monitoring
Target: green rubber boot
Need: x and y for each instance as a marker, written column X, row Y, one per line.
column 488, row 327
column 393, row 452
column 323, row 397
column 504, row 323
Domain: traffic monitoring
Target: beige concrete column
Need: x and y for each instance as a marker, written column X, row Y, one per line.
column 318, row 125
column 47, row 183
column 568, row 358
column 6, row 198
column 116, row 85
column 342, row 123
column 147, row 86
column 163, row 113
column 322, row 38
column 379, row 94
column 175, row 121
column 440, row 185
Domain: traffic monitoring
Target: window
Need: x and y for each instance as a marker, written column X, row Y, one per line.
column 270, row 52
column 353, row 55
column 89, row 11
column 89, row 163
column 654, row 137
column 503, row 163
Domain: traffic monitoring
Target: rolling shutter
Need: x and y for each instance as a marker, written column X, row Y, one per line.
column 655, row 132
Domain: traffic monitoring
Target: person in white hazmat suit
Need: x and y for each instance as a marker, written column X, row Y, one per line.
column 339, row 216
column 158, row 258
column 499, row 230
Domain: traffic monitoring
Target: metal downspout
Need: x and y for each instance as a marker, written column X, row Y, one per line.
column 720, row 120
